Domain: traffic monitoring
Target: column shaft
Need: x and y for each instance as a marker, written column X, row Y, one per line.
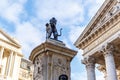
column 1, row 55
column 107, row 51
column 10, row 62
column 91, row 72
column 110, row 66
column 90, row 67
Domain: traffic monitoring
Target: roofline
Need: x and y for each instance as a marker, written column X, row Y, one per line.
column 92, row 21
column 5, row 34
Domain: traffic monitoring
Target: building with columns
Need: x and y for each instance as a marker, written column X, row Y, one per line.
column 11, row 60
column 100, row 42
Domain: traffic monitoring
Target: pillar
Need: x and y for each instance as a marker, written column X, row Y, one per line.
column 109, row 61
column 10, row 63
column 1, row 54
column 90, row 67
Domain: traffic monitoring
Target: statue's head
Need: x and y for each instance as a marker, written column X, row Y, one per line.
column 47, row 25
column 53, row 21
column 53, row 18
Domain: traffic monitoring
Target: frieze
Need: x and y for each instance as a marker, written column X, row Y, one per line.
column 43, row 48
column 89, row 62
column 38, row 68
column 102, row 24
column 101, row 39
column 61, row 66
column 97, row 19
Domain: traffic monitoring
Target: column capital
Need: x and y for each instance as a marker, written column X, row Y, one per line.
column 107, row 49
column 89, row 61
column 90, row 67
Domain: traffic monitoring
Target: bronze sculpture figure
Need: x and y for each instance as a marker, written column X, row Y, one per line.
column 51, row 28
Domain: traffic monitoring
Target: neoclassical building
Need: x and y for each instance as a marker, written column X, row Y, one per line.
column 100, row 42
column 12, row 64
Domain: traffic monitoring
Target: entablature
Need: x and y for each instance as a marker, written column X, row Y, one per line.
column 109, row 10
column 100, row 29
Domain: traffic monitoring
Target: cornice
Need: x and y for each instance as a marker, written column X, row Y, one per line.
column 13, row 42
column 114, row 22
column 47, row 46
column 106, row 26
column 94, row 20
column 99, row 28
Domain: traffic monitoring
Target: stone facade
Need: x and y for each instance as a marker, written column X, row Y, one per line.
column 26, row 70
column 51, row 59
column 101, row 39
column 10, row 58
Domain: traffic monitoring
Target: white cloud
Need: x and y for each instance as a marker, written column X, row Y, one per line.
column 95, row 5
column 75, row 32
column 11, row 10
column 29, row 36
column 3, row 5
column 62, row 10
column 79, row 55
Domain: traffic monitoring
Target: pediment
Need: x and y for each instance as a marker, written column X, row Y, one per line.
column 4, row 37
column 107, row 10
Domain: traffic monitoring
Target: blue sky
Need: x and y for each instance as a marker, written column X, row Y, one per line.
column 26, row 19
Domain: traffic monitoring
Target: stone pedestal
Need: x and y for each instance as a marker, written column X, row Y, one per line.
column 51, row 59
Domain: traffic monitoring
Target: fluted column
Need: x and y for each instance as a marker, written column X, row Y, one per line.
column 10, row 62
column 90, row 67
column 1, row 54
column 109, row 61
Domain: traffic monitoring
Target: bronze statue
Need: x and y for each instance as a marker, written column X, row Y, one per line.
column 51, row 28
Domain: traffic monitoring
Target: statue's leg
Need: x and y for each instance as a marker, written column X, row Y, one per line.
column 49, row 34
column 55, row 35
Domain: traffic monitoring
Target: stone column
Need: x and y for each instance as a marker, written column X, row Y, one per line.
column 1, row 55
column 10, row 62
column 90, row 67
column 109, row 62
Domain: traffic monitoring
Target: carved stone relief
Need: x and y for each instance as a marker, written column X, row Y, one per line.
column 107, row 16
column 61, row 66
column 38, row 68
column 112, row 11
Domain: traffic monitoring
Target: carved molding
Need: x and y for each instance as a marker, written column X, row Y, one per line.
column 89, row 62
column 107, row 49
column 38, row 68
column 105, row 23
column 61, row 66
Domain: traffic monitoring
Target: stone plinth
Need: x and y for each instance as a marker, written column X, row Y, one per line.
column 51, row 59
